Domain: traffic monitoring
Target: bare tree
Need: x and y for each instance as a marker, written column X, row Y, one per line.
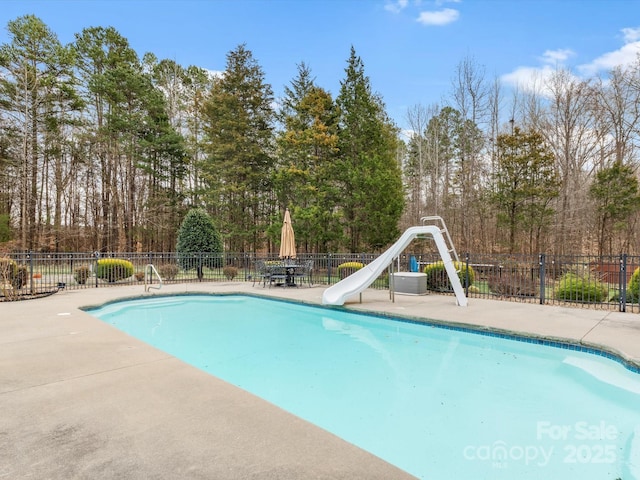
column 415, row 167
column 616, row 111
column 33, row 69
column 617, row 106
column 471, row 96
column 567, row 128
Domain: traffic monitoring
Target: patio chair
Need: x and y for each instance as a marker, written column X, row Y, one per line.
column 277, row 273
column 263, row 274
column 305, row 272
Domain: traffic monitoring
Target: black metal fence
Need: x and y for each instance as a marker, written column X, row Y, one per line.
column 583, row 281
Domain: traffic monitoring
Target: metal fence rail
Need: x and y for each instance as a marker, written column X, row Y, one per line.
column 571, row 280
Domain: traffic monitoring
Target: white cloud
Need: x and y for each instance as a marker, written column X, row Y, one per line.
column 397, row 6
column 529, row 79
column 439, row 17
column 214, row 73
column 554, row 57
column 631, row 34
column 408, row 133
column 625, row 55
column 534, row 78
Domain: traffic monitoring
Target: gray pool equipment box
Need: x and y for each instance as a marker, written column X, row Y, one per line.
column 411, row 283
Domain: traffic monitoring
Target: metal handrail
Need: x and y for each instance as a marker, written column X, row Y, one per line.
column 149, row 286
column 443, row 228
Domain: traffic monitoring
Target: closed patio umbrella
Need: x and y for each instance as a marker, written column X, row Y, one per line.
column 287, row 238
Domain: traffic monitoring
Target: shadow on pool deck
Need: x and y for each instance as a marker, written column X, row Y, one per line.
column 80, row 399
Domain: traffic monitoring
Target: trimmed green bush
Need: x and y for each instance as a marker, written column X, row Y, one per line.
column 438, row 280
column 572, row 287
column 114, row 269
column 347, row 268
column 633, row 289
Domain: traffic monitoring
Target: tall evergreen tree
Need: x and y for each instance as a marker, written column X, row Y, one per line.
column 616, row 195
column 132, row 135
column 525, row 183
column 239, row 125
column 106, row 67
column 307, row 146
column 367, row 169
column 162, row 157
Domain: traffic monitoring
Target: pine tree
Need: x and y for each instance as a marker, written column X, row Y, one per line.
column 368, row 173
column 616, row 195
column 36, row 87
column 237, row 173
column 525, row 183
column 307, row 146
column 107, row 67
column 199, row 244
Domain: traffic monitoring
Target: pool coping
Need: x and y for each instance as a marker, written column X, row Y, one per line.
column 50, row 345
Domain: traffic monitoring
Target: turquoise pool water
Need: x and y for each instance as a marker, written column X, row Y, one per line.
column 438, row 403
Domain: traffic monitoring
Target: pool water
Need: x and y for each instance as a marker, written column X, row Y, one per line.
column 438, row 403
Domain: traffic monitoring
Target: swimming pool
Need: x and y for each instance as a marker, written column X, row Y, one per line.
column 439, row 403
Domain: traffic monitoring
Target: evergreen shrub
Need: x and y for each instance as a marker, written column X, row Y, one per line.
column 438, row 280
column 633, row 289
column 572, row 287
column 199, row 243
column 347, row 268
column 114, row 269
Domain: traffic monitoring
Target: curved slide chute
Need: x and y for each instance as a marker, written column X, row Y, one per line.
column 361, row 279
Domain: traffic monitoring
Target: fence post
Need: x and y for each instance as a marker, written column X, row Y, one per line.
column 245, row 265
column 96, row 254
column 31, row 287
column 328, row 257
column 623, row 283
column 466, row 274
column 541, row 261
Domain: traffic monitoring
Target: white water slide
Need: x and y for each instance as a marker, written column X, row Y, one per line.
column 361, row 279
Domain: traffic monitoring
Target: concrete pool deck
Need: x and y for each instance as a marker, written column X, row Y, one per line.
column 80, row 399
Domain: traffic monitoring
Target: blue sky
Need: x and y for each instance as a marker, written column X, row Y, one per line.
column 410, row 48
